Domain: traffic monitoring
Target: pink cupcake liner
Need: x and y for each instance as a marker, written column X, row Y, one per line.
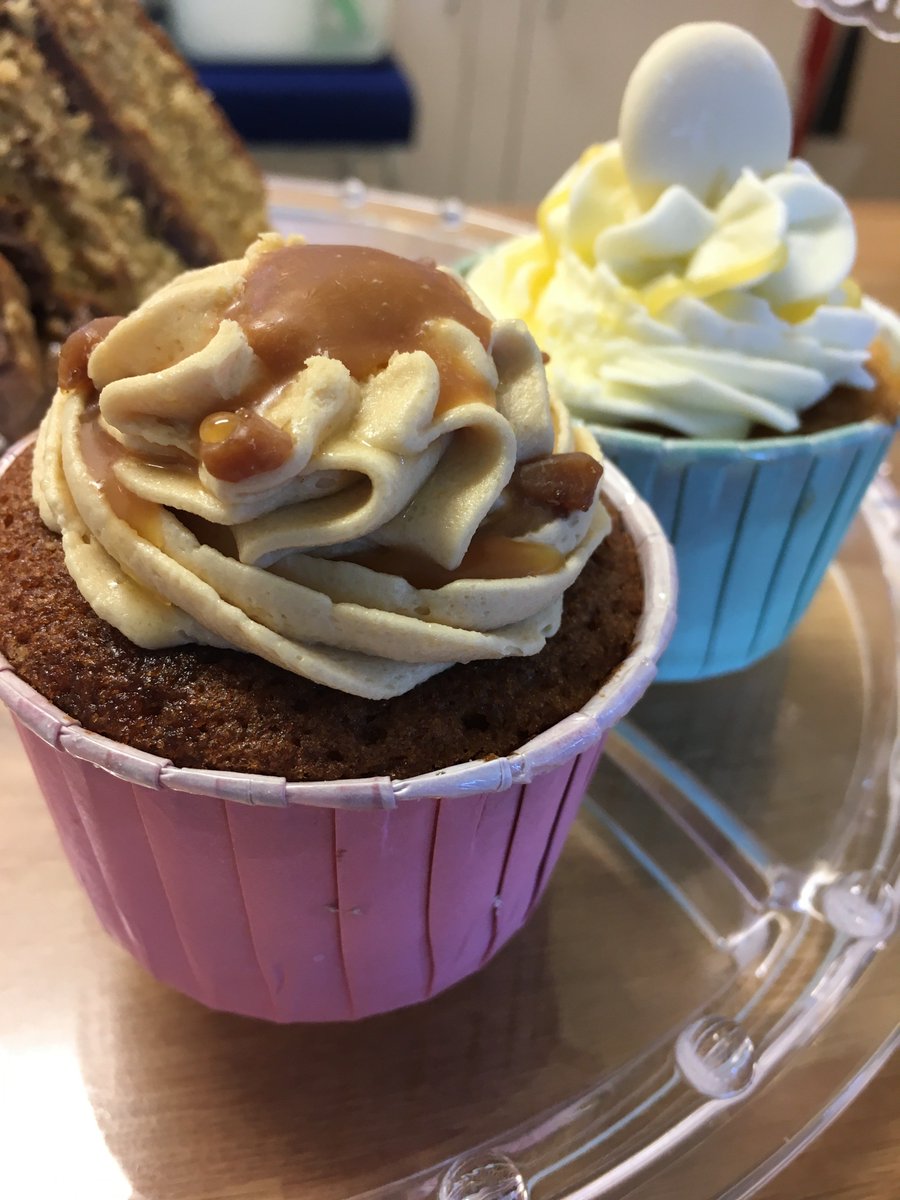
column 333, row 900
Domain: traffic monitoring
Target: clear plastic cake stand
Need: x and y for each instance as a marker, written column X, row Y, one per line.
column 710, row 980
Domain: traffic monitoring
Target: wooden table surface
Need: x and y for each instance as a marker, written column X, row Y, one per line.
column 100, row 1097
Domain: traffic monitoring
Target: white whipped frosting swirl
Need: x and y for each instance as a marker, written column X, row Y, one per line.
column 704, row 305
column 170, row 554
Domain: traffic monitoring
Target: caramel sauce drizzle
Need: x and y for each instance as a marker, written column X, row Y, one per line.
column 351, row 303
column 72, row 369
column 100, row 453
column 358, row 305
column 490, row 556
column 556, row 485
column 460, row 384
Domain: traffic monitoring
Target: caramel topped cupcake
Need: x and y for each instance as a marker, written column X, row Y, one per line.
column 313, row 514
column 317, row 627
column 327, row 457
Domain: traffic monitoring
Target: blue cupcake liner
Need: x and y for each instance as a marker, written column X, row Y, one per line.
column 754, row 526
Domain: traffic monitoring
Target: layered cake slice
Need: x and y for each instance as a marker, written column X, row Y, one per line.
column 24, row 370
column 117, row 170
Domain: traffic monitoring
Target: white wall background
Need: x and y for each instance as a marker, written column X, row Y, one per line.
column 509, row 92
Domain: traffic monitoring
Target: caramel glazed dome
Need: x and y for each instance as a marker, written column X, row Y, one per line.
column 334, row 461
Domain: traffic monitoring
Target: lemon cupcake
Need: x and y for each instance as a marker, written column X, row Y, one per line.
column 691, row 284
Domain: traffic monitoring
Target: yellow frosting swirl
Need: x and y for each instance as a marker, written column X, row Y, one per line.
column 702, row 297
column 354, row 559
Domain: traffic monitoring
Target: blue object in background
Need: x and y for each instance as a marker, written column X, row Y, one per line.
column 312, row 105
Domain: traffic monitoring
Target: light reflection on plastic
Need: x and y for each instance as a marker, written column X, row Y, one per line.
column 51, row 1143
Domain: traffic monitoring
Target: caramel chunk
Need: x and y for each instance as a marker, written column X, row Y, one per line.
column 564, row 482
column 77, row 349
column 238, row 445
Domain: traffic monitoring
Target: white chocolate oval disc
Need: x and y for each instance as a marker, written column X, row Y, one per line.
column 704, row 102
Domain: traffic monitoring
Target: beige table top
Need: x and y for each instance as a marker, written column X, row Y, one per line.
column 105, row 1106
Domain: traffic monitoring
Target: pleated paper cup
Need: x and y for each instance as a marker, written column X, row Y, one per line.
column 754, row 525
column 334, row 900
column 754, row 528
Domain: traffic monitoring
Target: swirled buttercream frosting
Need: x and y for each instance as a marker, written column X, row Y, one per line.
column 689, row 275
column 327, row 456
